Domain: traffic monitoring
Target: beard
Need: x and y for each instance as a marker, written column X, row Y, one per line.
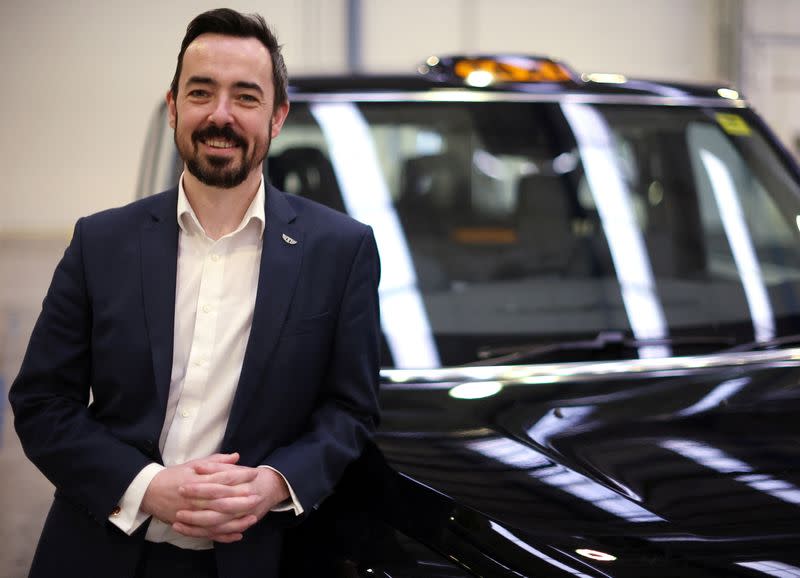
column 218, row 171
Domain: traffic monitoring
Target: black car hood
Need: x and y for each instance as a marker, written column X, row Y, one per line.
column 679, row 473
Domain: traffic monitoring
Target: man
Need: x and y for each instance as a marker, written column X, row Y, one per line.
column 205, row 363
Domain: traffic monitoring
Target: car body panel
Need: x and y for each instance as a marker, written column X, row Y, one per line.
column 547, row 437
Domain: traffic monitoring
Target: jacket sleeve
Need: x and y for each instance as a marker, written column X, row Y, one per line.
column 347, row 412
column 50, row 398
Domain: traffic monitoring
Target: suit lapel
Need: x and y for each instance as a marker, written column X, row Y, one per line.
column 159, row 242
column 277, row 279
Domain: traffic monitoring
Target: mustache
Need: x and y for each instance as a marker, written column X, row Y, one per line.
column 213, row 132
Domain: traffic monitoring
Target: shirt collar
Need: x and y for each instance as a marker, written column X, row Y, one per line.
column 190, row 224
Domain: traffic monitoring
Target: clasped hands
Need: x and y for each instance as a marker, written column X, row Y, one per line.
column 213, row 497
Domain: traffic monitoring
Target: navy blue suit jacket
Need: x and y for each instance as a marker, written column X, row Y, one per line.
column 306, row 400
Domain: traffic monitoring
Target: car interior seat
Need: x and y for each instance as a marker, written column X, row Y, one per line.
column 432, row 190
column 545, row 224
column 306, row 171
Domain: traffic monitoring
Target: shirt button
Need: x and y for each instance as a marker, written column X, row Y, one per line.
column 185, row 413
column 116, row 511
column 214, row 257
column 206, row 308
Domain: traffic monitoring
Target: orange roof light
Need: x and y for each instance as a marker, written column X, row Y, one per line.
column 485, row 70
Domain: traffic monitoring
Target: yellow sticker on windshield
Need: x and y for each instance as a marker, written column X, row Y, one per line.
column 733, row 124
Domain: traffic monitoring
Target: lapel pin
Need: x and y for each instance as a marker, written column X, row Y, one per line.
column 289, row 240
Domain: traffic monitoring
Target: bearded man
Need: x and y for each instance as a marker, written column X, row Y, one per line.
column 205, row 363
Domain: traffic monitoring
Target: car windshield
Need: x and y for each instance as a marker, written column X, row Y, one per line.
column 565, row 230
column 512, row 224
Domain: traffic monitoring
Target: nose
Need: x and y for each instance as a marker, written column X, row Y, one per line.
column 221, row 114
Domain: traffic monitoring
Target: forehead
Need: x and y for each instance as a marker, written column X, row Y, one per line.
column 227, row 58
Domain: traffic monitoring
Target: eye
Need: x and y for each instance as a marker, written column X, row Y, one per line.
column 198, row 93
column 248, row 98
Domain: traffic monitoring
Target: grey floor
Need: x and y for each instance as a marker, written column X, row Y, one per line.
column 26, row 266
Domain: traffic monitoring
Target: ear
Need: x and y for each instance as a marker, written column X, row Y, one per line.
column 171, row 110
column 278, row 118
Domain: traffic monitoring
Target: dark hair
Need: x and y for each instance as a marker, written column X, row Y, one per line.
column 232, row 23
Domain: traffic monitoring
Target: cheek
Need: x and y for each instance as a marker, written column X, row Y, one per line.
column 261, row 134
column 189, row 119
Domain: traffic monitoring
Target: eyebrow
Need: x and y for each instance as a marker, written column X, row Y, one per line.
column 239, row 84
column 249, row 86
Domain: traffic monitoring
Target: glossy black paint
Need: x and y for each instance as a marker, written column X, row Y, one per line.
column 512, row 485
column 691, row 472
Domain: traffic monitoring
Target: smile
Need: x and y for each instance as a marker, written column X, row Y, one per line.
column 220, row 144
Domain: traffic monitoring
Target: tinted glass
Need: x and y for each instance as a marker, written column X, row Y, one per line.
column 511, row 224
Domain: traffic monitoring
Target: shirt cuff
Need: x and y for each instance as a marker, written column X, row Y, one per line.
column 127, row 516
column 292, row 504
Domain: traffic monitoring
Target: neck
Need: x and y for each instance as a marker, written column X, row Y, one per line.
column 220, row 210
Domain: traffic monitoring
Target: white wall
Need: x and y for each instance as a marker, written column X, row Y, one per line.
column 80, row 81
column 81, row 78
column 667, row 39
column 771, row 64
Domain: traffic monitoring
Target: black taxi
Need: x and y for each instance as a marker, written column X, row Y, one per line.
column 590, row 306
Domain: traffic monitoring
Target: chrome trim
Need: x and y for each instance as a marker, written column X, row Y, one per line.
column 457, row 95
column 530, row 374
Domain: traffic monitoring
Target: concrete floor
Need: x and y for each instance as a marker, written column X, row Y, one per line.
column 26, row 266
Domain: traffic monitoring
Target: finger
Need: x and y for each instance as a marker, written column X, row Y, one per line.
column 238, row 506
column 236, row 526
column 209, row 491
column 230, row 476
column 232, row 506
column 209, row 467
column 192, row 531
column 227, row 538
column 196, row 505
column 224, row 458
column 202, row 518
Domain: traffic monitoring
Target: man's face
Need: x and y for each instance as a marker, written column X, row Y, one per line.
column 224, row 115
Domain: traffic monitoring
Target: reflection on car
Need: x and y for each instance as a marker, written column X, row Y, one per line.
column 590, row 305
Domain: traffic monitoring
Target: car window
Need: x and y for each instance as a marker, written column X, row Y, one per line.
column 534, row 222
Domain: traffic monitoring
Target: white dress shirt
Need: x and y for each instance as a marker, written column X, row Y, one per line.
column 215, row 296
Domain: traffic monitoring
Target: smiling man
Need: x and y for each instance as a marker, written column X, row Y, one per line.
column 225, row 79
column 228, row 334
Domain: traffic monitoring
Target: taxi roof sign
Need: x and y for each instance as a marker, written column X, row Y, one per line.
column 484, row 70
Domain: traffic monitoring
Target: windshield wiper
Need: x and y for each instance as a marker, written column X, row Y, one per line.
column 605, row 340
